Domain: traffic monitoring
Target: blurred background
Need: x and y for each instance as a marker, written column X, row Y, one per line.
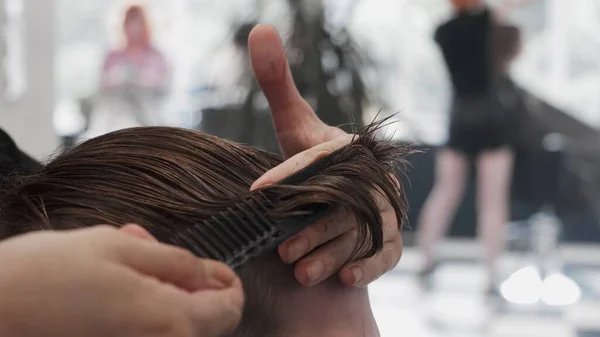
column 71, row 69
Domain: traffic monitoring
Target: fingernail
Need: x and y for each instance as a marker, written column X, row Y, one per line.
column 214, row 275
column 216, row 284
column 358, row 274
column 297, row 249
column 314, row 271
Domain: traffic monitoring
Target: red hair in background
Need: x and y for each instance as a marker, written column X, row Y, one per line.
column 136, row 28
column 461, row 5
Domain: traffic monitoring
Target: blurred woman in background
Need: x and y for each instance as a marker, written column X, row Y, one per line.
column 134, row 80
column 138, row 62
column 477, row 51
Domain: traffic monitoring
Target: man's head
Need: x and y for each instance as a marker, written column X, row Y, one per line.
column 166, row 179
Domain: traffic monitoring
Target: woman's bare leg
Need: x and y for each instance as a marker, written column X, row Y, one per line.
column 451, row 169
column 494, row 174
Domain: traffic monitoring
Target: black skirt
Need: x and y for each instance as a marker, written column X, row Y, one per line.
column 478, row 124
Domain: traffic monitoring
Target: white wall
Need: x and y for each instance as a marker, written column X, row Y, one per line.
column 29, row 121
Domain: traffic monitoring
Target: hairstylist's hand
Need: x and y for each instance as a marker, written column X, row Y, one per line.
column 101, row 282
column 303, row 138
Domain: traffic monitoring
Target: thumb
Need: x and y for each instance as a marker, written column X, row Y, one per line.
column 290, row 111
column 218, row 312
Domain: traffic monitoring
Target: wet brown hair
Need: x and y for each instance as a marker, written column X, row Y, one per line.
column 167, row 178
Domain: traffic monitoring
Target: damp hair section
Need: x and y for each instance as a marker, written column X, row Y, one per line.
column 169, row 179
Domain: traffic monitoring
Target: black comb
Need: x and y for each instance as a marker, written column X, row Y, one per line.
column 244, row 231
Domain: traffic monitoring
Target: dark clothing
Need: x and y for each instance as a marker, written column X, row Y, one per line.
column 481, row 126
column 13, row 160
column 478, row 119
column 465, row 44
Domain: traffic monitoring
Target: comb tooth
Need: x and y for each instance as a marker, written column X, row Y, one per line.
column 260, row 224
column 256, row 226
column 200, row 238
column 210, row 240
column 195, row 237
column 261, row 201
column 243, row 224
column 234, row 240
column 259, row 218
column 222, row 243
column 189, row 243
column 263, row 229
column 238, row 226
column 175, row 241
column 265, row 205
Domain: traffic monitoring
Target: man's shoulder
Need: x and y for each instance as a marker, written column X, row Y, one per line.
column 12, row 158
column 6, row 140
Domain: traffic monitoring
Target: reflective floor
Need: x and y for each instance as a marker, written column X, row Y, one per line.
column 454, row 303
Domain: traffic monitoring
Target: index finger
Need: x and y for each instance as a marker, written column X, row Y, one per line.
column 301, row 160
column 169, row 264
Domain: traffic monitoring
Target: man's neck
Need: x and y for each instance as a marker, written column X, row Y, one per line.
column 330, row 310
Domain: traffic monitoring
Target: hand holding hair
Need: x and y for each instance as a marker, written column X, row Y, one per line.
column 303, row 138
column 102, row 282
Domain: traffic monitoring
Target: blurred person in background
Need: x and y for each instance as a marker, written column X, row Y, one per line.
column 134, row 80
column 478, row 50
column 138, row 62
